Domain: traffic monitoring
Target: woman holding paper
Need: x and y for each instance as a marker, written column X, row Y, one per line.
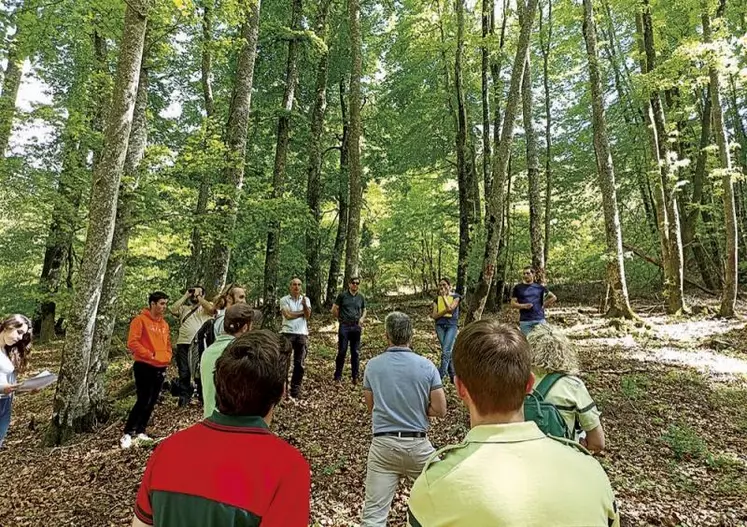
column 15, row 345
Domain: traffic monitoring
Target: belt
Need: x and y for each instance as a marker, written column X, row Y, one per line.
column 401, row 434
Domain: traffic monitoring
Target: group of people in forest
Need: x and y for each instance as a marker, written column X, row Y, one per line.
column 239, row 473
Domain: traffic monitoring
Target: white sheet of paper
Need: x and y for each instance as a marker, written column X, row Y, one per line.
column 37, row 382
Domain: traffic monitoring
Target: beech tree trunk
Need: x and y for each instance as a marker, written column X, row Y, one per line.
column 667, row 194
column 72, row 409
column 353, row 241
column 61, row 230
column 235, row 138
column 314, row 171
column 533, row 175
column 729, row 291
column 487, row 12
column 106, row 315
column 545, row 50
column 464, row 178
column 619, row 306
column 73, row 182
column 11, row 83
column 272, row 256
column 493, row 220
column 197, row 246
column 343, row 201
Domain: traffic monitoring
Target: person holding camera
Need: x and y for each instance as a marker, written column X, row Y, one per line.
column 193, row 311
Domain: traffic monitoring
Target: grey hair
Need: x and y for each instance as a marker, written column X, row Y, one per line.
column 398, row 328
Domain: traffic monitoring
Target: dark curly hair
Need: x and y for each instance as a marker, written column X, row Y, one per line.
column 20, row 351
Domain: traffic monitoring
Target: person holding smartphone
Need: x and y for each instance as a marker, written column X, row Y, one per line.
column 192, row 311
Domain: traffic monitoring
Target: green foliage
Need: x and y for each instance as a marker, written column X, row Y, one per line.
column 685, row 443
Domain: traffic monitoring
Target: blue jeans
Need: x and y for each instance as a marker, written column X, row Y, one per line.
column 5, row 405
column 348, row 334
column 446, row 336
column 528, row 325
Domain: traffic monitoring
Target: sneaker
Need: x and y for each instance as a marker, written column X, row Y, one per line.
column 125, row 441
column 143, row 437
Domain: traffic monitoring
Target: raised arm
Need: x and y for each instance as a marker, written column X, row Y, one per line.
column 207, row 306
column 176, row 306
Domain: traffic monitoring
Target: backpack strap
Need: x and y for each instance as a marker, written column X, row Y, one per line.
column 571, row 443
column 547, row 383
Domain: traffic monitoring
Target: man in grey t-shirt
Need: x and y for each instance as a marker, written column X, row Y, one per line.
column 402, row 389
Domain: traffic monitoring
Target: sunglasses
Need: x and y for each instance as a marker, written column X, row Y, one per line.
column 355, row 283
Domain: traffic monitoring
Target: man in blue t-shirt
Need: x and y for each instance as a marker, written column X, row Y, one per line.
column 531, row 299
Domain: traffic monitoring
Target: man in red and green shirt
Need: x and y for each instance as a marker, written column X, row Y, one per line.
column 239, row 472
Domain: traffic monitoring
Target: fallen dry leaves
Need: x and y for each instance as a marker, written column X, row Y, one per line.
column 676, row 457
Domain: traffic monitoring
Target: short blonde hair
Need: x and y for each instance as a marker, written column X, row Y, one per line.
column 551, row 350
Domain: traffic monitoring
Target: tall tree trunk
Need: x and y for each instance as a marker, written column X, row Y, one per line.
column 496, row 68
column 692, row 215
column 71, row 186
column 72, row 406
column 533, row 175
column 620, row 303
column 493, row 221
column 197, row 246
column 729, row 291
column 343, row 201
column 670, row 232
column 487, row 12
column 463, row 178
column 11, row 83
column 545, row 49
column 62, row 229
column 106, row 315
column 272, row 256
column 235, row 138
column 352, row 246
column 314, row 170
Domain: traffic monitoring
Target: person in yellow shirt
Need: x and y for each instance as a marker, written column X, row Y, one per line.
column 507, row 473
column 553, row 352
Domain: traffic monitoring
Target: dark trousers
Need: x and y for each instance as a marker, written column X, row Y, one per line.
column 148, row 382
column 298, row 343
column 348, row 334
column 182, row 365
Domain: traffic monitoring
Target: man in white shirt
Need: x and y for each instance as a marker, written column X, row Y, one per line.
column 191, row 317
column 296, row 309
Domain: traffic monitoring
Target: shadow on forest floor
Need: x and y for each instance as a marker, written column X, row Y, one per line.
column 672, row 393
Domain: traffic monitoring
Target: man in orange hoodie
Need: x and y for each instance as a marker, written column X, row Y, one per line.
column 150, row 343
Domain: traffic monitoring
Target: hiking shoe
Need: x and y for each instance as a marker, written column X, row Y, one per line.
column 125, row 441
column 143, row 437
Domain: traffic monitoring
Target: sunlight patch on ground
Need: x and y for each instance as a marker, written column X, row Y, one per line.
column 692, row 329
column 626, row 342
column 706, row 361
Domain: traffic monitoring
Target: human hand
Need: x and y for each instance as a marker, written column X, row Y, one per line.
column 9, row 388
column 527, row 306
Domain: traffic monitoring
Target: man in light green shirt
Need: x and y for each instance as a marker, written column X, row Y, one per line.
column 238, row 320
column 507, row 473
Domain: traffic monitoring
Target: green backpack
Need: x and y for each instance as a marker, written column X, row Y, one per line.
column 545, row 414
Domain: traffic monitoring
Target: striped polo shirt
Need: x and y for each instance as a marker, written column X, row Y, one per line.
column 225, row 470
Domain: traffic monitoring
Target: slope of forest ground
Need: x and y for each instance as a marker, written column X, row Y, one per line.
column 672, row 393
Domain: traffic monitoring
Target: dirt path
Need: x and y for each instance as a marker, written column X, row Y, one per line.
column 673, row 399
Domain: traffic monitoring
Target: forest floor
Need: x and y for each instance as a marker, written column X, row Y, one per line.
column 672, row 394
